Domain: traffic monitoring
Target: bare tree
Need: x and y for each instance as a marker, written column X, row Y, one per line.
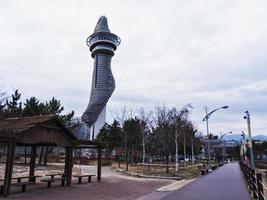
column 162, row 125
column 145, row 121
column 178, row 119
column 127, row 112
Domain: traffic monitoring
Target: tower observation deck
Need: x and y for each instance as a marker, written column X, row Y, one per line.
column 102, row 44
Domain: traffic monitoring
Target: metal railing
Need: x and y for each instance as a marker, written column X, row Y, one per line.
column 254, row 182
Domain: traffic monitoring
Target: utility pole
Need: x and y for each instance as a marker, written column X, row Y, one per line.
column 193, row 157
column 207, row 121
column 247, row 117
column 192, row 146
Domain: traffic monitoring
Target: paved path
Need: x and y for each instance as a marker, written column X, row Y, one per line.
column 223, row 183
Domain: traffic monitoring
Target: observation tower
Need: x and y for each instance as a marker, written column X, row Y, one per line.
column 102, row 44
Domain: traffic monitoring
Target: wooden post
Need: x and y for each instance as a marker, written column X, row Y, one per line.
column 260, row 186
column 25, row 154
column 32, row 162
column 253, row 183
column 41, row 155
column 138, row 169
column 99, row 164
column 9, row 167
column 46, row 155
column 68, row 165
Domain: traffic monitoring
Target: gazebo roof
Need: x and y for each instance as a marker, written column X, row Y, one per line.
column 21, row 124
column 44, row 129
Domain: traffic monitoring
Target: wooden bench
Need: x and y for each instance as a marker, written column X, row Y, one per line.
column 85, row 175
column 31, row 178
column 23, row 185
column 1, row 189
column 56, row 174
column 204, row 171
column 31, row 181
column 49, row 181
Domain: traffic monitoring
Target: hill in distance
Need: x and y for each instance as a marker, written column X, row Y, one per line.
column 238, row 137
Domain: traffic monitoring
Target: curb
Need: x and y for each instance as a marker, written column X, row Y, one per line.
column 123, row 171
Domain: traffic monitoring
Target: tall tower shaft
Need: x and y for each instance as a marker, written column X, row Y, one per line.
column 102, row 44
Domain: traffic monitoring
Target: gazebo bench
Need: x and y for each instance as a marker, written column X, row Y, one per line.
column 81, row 176
column 49, row 181
column 23, row 185
column 1, row 189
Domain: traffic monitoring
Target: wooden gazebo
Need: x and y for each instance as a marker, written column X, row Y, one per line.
column 46, row 130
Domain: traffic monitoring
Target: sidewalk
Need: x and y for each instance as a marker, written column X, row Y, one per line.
column 223, row 183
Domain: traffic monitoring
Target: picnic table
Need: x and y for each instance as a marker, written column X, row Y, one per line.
column 62, row 178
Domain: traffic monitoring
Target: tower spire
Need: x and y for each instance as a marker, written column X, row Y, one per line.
column 102, row 25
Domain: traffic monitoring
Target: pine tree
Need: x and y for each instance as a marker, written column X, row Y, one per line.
column 13, row 107
column 31, row 107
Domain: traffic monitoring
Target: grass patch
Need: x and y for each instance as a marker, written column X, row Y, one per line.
column 184, row 172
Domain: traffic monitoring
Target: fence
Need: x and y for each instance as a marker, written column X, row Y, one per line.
column 254, row 182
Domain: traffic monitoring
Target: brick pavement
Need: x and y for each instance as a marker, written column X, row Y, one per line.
column 110, row 188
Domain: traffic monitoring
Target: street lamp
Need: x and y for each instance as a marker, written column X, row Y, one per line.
column 223, row 146
column 206, row 118
column 247, row 117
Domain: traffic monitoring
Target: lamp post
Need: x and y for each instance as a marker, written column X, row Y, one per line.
column 223, row 146
column 206, row 118
column 247, row 117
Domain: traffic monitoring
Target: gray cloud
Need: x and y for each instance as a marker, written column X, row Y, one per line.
column 174, row 52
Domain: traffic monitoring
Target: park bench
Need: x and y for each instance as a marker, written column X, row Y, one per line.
column 31, row 181
column 30, row 178
column 203, row 169
column 23, row 185
column 54, row 179
column 1, row 186
column 85, row 175
column 214, row 167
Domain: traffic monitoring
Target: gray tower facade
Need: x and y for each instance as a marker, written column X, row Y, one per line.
column 102, row 44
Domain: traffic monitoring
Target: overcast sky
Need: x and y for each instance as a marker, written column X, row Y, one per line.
column 173, row 52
